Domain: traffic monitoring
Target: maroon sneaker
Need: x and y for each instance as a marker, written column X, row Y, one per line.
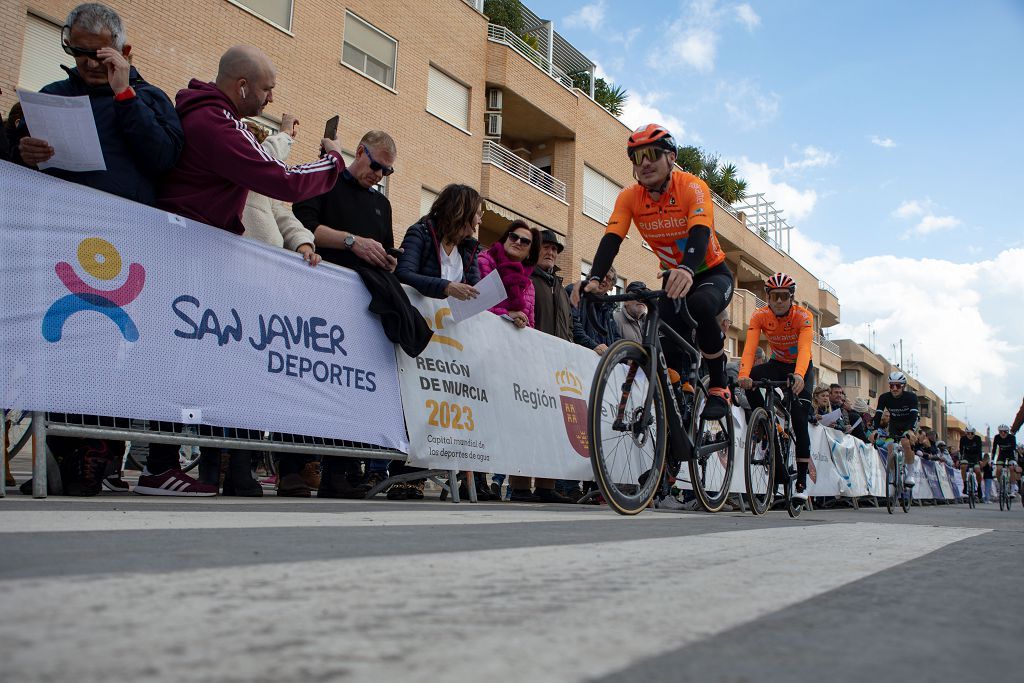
column 172, row 483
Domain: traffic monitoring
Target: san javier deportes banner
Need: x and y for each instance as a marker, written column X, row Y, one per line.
column 108, row 307
column 488, row 397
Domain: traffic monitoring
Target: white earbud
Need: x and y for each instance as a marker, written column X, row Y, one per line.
column 243, row 91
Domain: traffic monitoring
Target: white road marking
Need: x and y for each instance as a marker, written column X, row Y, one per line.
column 533, row 614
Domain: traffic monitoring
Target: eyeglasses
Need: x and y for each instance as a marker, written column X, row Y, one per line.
column 517, row 238
column 779, row 296
column 895, row 385
column 65, row 40
column 376, row 165
column 652, row 154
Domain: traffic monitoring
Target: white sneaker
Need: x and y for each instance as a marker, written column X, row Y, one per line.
column 908, row 480
column 799, row 496
column 669, row 503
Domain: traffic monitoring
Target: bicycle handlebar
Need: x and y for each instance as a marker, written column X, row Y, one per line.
column 645, row 295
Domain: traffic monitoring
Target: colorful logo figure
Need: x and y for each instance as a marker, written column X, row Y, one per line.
column 438, row 324
column 100, row 259
column 574, row 411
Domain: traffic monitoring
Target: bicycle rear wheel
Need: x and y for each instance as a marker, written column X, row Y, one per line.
column 714, row 454
column 759, row 461
column 627, row 443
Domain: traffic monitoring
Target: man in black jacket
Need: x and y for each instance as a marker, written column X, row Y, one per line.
column 593, row 322
column 139, row 131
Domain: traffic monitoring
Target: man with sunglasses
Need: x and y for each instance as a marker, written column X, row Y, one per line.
column 789, row 329
column 351, row 221
column 139, row 131
column 675, row 214
column 904, row 412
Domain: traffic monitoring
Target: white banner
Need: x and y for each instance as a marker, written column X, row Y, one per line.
column 486, row 396
column 108, row 307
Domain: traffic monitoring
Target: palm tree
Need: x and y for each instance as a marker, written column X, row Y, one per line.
column 722, row 180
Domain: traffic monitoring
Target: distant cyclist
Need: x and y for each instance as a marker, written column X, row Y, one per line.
column 1004, row 452
column 970, row 456
column 789, row 329
column 904, row 412
column 674, row 213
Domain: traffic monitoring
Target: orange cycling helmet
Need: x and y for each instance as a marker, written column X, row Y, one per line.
column 651, row 134
column 780, row 281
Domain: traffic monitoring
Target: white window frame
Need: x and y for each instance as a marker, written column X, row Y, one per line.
column 53, row 70
column 240, row 4
column 394, row 69
column 460, row 125
column 606, row 206
column 424, row 191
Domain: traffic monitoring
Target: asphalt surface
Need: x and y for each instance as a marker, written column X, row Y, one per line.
column 122, row 587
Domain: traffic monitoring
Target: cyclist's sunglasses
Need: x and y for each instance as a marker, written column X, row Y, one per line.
column 376, row 165
column 895, row 385
column 65, row 39
column 652, row 154
column 515, row 237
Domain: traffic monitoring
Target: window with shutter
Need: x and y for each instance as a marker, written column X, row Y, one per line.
column 427, row 198
column 277, row 12
column 369, row 50
column 599, row 195
column 448, row 99
column 42, row 55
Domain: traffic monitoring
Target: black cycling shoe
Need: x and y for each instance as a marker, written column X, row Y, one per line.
column 715, row 409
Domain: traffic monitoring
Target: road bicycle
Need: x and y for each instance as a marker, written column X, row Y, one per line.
column 971, row 486
column 642, row 426
column 768, row 454
column 896, row 474
column 1005, row 485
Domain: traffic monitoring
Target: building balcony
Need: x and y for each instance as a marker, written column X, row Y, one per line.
column 828, row 355
column 828, row 304
column 743, row 304
column 522, row 188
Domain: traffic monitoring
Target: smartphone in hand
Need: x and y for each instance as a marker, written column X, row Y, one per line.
column 330, row 131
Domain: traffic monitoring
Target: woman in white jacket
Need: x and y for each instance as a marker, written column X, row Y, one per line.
column 269, row 220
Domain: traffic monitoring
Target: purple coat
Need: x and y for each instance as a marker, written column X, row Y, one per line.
column 515, row 277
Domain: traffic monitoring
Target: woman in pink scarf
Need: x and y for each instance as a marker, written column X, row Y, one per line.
column 514, row 256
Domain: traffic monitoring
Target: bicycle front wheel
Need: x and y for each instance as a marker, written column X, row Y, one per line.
column 713, row 455
column 893, row 484
column 759, row 459
column 627, row 442
column 906, row 493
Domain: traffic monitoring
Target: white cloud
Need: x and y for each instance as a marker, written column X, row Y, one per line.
column 694, row 48
column 887, row 143
column 747, row 105
column 747, row 16
column 642, row 108
column 950, row 316
column 929, row 221
column 814, row 157
column 589, row 16
column 795, row 203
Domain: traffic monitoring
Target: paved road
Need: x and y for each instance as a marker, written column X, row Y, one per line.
column 125, row 588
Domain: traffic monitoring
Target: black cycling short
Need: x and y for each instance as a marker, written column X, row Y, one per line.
column 710, row 295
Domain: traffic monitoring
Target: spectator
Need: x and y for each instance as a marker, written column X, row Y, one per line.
column 439, row 259
column 439, row 252
column 222, row 161
column 593, row 321
column 820, row 404
column 724, row 322
column 138, row 129
column 513, row 256
column 220, row 164
column 552, row 315
column 272, row 222
column 351, row 222
column 860, row 413
column 943, row 453
column 141, row 139
column 837, row 397
column 632, row 316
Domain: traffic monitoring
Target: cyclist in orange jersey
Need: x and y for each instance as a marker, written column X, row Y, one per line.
column 789, row 329
column 674, row 212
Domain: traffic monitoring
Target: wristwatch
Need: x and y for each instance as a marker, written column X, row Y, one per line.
column 350, row 241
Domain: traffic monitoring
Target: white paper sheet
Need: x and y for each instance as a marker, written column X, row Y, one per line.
column 829, row 419
column 492, row 292
column 68, row 125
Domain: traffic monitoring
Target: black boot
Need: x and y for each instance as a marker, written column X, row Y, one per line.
column 209, row 466
column 239, row 481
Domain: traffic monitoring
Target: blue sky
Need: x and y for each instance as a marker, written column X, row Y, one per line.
column 889, row 132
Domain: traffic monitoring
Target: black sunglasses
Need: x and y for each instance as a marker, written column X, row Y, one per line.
column 376, row 165
column 516, row 237
column 65, row 39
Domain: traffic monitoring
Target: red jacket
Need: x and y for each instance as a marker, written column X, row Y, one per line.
column 222, row 161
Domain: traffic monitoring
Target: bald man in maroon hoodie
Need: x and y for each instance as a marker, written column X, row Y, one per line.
column 222, row 161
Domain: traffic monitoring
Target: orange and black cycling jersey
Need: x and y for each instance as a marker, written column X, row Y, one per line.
column 665, row 224
column 789, row 338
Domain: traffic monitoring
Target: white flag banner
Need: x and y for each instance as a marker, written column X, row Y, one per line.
column 108, row 307
column 486, row 396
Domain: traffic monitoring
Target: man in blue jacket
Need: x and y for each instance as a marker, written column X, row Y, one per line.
column 138, row 128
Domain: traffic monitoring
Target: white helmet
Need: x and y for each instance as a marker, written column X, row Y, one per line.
column 970, row 430
column 897, row 377
column 1003, row 428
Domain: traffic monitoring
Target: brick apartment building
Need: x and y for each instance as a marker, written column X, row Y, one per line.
column 466, row 102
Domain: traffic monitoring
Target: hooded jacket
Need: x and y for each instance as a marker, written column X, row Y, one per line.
column 141, row 137
column 419, row 266
column 269, row 220
column 516, row 278
column 222, row 161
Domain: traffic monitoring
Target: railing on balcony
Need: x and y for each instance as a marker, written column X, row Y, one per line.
column 504, row 159
column 500, row 34
column 828, row 288
column 827, row 344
